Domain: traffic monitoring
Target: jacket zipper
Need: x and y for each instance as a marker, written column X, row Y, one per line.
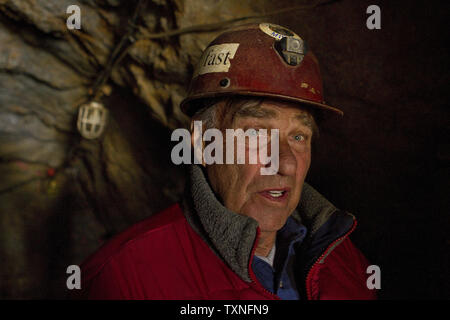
column 250, row 270
column 308, row 287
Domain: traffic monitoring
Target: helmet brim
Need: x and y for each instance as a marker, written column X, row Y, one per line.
column 187, row 105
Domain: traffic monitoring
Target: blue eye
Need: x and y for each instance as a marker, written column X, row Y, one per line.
column 299, row 137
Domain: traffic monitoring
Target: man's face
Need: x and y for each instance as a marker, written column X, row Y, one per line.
column 243, row 189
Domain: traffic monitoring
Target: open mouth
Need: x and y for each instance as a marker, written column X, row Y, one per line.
column 277, row 195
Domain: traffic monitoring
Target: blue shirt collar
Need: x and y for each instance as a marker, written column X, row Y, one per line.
column 290, row 234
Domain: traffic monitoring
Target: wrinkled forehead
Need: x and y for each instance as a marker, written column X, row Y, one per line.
column 267, row 109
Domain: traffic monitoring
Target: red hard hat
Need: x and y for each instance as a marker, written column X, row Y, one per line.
column 264, row 60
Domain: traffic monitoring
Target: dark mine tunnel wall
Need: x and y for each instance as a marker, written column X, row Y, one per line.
column 386, row 161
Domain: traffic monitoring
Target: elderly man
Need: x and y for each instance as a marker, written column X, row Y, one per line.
column 237, row 233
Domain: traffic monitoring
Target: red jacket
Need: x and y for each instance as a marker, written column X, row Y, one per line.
column 163, row 257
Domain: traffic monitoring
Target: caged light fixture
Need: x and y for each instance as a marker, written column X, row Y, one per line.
column 92, row 119
column 92, row 116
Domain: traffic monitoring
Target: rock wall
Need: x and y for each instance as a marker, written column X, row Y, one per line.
column 61, row 195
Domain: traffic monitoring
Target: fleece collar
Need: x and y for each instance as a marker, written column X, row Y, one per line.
column 230, row 235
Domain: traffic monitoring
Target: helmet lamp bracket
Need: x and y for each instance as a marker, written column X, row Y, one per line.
column 292, row 50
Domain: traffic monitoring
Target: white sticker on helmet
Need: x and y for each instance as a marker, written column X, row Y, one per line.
column 277, row 32
column 216, row 58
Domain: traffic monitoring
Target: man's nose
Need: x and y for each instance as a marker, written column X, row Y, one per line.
column 287, row 160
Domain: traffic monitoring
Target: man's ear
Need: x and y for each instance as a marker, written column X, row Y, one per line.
column 197, row 130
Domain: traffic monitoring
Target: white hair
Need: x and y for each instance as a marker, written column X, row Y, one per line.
column 208, row 112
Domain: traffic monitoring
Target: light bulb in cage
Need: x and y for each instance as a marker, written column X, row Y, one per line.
column 92, row 119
